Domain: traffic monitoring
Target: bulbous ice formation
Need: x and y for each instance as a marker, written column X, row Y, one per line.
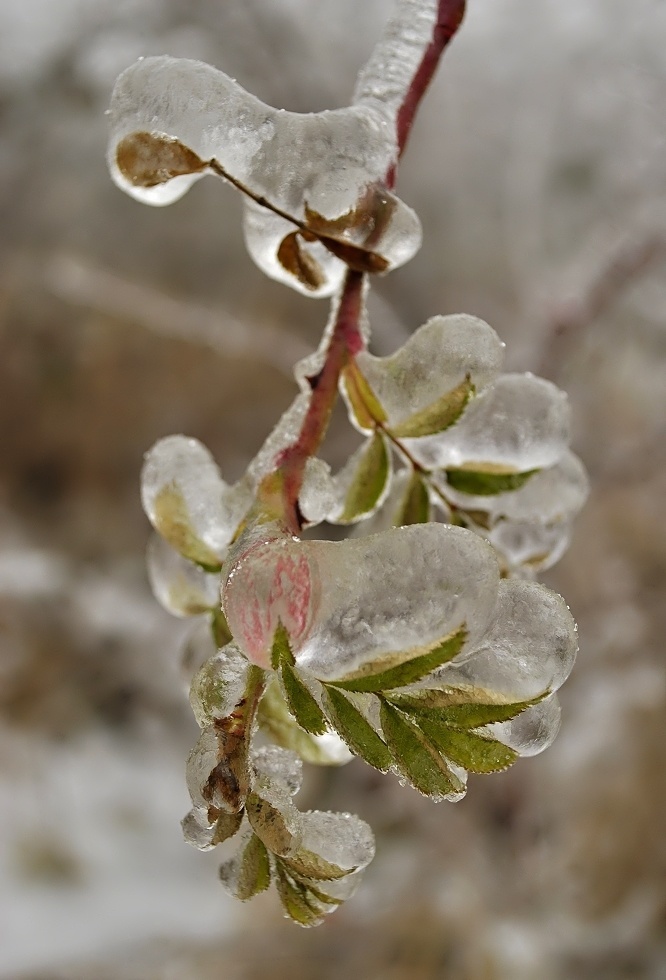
column 345, row 603
column 173, row 120
column 187, row 501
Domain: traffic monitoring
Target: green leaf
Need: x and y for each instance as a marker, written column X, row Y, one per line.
column 278, row 722
column 308, row 864
column 221, row 632
column 281, row 650
column 415, row 507
column 355, row 730
column 254, row 870
column 447, row 705
column 468, row 749
column 365, row 405
column 369, row 480
column 323, row 897
column 226, row 826
column 294, row 897
column 437, row 416
column 301, row 702
column 385, row 673
column 269, row 824
column 416, row 757
column 482, row 484
column 171, row 519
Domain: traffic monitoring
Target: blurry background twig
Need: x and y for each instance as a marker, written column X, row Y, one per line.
column 543, row 130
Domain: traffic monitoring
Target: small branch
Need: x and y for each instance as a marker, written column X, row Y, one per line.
column 282, row 488
column 629, row 261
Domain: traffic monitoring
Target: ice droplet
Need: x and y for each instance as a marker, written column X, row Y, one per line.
column 218, row 685
column 200, row 763
column 197, row 830
column 533, row 730
column 317, row 497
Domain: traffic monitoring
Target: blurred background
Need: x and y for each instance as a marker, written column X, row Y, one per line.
column 538, row 166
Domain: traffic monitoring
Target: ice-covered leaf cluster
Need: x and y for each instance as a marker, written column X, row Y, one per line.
column 483, row 449
column 314, row 858
column 423, row 647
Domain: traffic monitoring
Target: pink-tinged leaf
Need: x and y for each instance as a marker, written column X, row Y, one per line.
column 271, row 584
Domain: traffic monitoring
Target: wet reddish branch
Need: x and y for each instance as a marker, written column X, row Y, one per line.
column 346, row 341
column 449, row 18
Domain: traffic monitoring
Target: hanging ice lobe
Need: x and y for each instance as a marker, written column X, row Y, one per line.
column 187, row 501
column 182, row 587
column 434, row 361
column 529, row 649
column 170, row 117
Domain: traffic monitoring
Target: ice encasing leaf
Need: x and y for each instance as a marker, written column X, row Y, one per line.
column 436, row 360
column 249, row 872
column 519, row 423
column 188, row 502
column 345, row 604
column 172, row 115
column 417, row 758
column 364, row 481
column 404, row 667
column 278, row 722
column 415, row 505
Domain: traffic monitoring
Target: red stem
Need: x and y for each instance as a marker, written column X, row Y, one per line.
column 346, row 340
column 449, row 18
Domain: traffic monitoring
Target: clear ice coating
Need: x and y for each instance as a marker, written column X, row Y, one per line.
column 218, row 685
column 551, row 495
column 339, row 838
column 344, row 604
column 533, row 730
column 434, row 361
column 198, row 830
column 385, row 79
column 317, row 497
column 324, row 169
column 280, row 766
column 360, row 488
column 528, row 548
column 184, row 589
column 187, row 501
column 530, row 647
column 530, row 527
column 200, row 763
column 519, row 423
